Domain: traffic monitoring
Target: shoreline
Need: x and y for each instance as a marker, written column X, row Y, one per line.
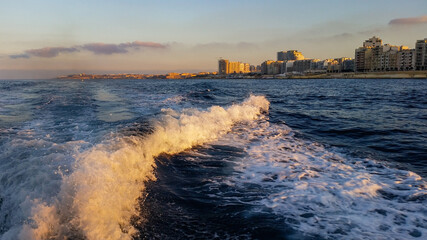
column 366, row 75
column 343, row 75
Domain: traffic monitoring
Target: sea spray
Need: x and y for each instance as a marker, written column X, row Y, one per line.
column 99, row 198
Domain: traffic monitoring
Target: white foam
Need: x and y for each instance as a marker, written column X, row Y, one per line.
column 98, row 199
column 320, row 192
column 174, row 99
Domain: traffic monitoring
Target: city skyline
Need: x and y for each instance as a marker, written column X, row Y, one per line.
column 51, row 38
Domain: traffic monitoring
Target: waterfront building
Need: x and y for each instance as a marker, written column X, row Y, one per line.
column 173, row 75
column 226, row 67
column 254, row 69
column 341, row 65
column 421, row 54
column 318, row 65
column 289, row 55
column 361, row 55
column 388, row 57
column 374, row 56
column 271, row 67
column 334, row 66
column 348, row 65
column 288, row 66
column 366, row 57
column 277, row 67
column 406, row 59
column 233, row 67
column 302, row 65
column 373, row 42
column 264, row 66
column 223, row 67
column 245, row 67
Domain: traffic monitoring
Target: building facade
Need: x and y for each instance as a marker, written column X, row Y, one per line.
column 374, row 56
column 421, row 54
column 222, row 67
column 289, row 55
column 406, row 59
column 226, row 67
column 302, row 66
column 271, row 67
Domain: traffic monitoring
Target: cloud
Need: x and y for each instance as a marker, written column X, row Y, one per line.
column 108, row 49
column 103, row 48
column 145, row 44
column 408, row 21
column 49, row 52
column 16, row 56
column 96, row 48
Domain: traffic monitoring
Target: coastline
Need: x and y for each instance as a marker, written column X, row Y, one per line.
column 342, row 75
column 366, row 75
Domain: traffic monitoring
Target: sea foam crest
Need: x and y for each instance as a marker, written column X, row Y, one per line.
column 323, row 193
column 99, row 198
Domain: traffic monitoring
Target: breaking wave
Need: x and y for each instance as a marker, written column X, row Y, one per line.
column 98, row 200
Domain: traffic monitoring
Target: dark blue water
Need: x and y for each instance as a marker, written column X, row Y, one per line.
column 331, row 159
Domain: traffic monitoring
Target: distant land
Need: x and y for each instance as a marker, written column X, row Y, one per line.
column 342, row 75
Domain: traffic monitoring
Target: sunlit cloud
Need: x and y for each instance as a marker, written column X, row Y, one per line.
column 49, row 52
column 16, row 56
column 96, row 48
column 144, row 44
column 408, row 21
column 108, row 49
column 103, row 48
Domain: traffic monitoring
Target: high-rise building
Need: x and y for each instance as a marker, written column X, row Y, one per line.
column 222, row 67
column 288, row 66
column 289, row 55
column 265, row 66
column 388, row 57
column 233, row 67
column 340, row 65
column 254, row 69
column 226, row 67
column 374, row 56
column 373, row 42
column 360, row 56
column 271, row 67
column 367, row 57
column 406, row 59
column 421, row 54
column 303, row 65
column 348, row 65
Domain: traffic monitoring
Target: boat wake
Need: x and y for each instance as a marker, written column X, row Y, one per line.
column 320, row 192
column 98, row 200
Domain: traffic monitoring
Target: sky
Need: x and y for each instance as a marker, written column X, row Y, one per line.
column 47, row 38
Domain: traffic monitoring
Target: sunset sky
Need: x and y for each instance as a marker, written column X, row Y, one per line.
column 42, row 39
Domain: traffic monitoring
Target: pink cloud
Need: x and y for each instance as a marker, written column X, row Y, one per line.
column 408, row 21
column 49, row 52
column 104, row 48
column 16, row 56
column 96, row 48
column 145, row 44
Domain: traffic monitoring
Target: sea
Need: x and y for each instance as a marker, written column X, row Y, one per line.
column 213, row 159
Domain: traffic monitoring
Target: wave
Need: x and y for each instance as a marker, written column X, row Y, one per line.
column 321, row 192
column 98, row 200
